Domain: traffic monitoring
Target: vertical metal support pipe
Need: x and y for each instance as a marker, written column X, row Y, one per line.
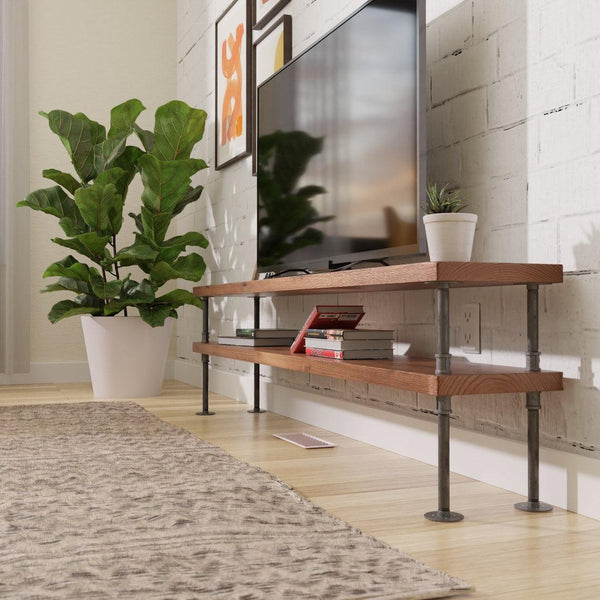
column 533, row 445
column 443, row 367
column 533, row 405
column 205, row 331
column 444, row 412
column 442, row 356
column 533, row 335
column 256, row 408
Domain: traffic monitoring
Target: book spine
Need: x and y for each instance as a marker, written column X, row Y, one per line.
column 245, row 333
column 326, row 334
column 324, row 353
column 298, row 344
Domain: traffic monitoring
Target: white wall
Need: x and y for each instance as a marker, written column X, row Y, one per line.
column 513, row 116
column 85, row 56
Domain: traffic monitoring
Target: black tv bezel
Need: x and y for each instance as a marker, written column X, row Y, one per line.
column 399, row 253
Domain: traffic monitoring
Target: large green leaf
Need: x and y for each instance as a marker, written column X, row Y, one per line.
column 65, row 179
column 146, row 137
column 85, row 304
column 166, row 182
column 134, row 254
column 190, row 267
column 79, row 135
column 97, row 204
column 123, row 116
column 68, row 284
column 120, row 179
column 106, row 153
column 122, row 121
column 192, row 194
column 172, row 248
column 177, row 128
column 156, row 314
column 107, row 289
column 52, row 201
column 137, row 219
column 89, row 244
column 71, row 268
column 132, row 294
column 128, row 162
column 72, row 228
column 179, row 297
column 154, row 226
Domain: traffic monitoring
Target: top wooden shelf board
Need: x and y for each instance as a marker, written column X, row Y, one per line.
column 413, row 276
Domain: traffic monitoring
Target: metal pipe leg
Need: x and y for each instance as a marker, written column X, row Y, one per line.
column 442, row 366
column 533, row 406
column 533, row 503
column 205, row 412
column 256, row 408
column 443, row 514
column 442, row 356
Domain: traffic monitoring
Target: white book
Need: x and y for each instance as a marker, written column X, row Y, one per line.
column 243, row 341
column 251, row 332
column 348, row 344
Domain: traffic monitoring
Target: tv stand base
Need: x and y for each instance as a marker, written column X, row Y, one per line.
column 444, row 516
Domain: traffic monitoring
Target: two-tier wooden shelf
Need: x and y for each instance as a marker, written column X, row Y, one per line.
column 439, row 376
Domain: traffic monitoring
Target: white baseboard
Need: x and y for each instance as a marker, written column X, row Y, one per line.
column 73, row 372
column 569, row 481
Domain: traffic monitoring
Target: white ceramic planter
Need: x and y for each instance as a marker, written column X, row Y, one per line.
column 450, row 236
column 126, row 356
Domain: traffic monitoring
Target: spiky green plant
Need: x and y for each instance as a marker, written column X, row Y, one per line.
column 444, row 200
column 89, row 207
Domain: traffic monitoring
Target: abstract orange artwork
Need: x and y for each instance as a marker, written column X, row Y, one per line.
column 232, row 139
column 231, row 61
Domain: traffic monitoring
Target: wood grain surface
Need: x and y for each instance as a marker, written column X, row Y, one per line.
column 414, row 276
column 402, row 372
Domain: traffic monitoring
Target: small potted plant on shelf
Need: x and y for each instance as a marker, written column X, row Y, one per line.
column 126, row 353
column 449, row 231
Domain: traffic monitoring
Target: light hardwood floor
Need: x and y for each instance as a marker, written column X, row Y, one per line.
column 504, row 553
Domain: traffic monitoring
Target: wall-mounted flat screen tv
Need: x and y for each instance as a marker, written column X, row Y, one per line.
column 340, row 145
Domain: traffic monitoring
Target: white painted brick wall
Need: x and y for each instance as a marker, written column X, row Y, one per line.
column 514, row 118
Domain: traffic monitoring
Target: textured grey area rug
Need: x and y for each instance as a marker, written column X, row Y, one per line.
column 103, row 500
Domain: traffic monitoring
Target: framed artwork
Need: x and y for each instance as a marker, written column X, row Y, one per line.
column 265, row 10
column 232, row 90
column 271, row 51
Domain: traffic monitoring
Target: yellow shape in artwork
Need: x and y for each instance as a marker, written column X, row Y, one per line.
column 278, row 58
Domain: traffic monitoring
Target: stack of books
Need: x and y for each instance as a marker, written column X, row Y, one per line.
column 260, row 337
column 349, row 343
column 330, row 332
column 327, row 316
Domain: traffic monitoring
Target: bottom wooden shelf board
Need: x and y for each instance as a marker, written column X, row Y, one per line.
column 401, row 372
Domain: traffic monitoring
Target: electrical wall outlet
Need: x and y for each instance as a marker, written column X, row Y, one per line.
column 470, row 329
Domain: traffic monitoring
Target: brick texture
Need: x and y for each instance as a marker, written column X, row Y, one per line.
column 513, row 118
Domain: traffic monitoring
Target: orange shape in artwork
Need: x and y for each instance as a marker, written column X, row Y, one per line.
column 231, row 110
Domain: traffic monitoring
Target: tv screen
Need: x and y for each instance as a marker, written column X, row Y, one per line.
column 339, row 133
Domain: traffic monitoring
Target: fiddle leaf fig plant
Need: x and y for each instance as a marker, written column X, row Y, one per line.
column 89, row 206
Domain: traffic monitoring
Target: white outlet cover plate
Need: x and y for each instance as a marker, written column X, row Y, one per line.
column 470, row 329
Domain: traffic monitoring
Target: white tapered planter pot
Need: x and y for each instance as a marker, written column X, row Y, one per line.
column 450, row 236
column 126, row 356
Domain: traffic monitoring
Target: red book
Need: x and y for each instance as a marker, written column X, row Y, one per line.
column 325, row 317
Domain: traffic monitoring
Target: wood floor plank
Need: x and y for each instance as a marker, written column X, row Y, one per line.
column 504, row 553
